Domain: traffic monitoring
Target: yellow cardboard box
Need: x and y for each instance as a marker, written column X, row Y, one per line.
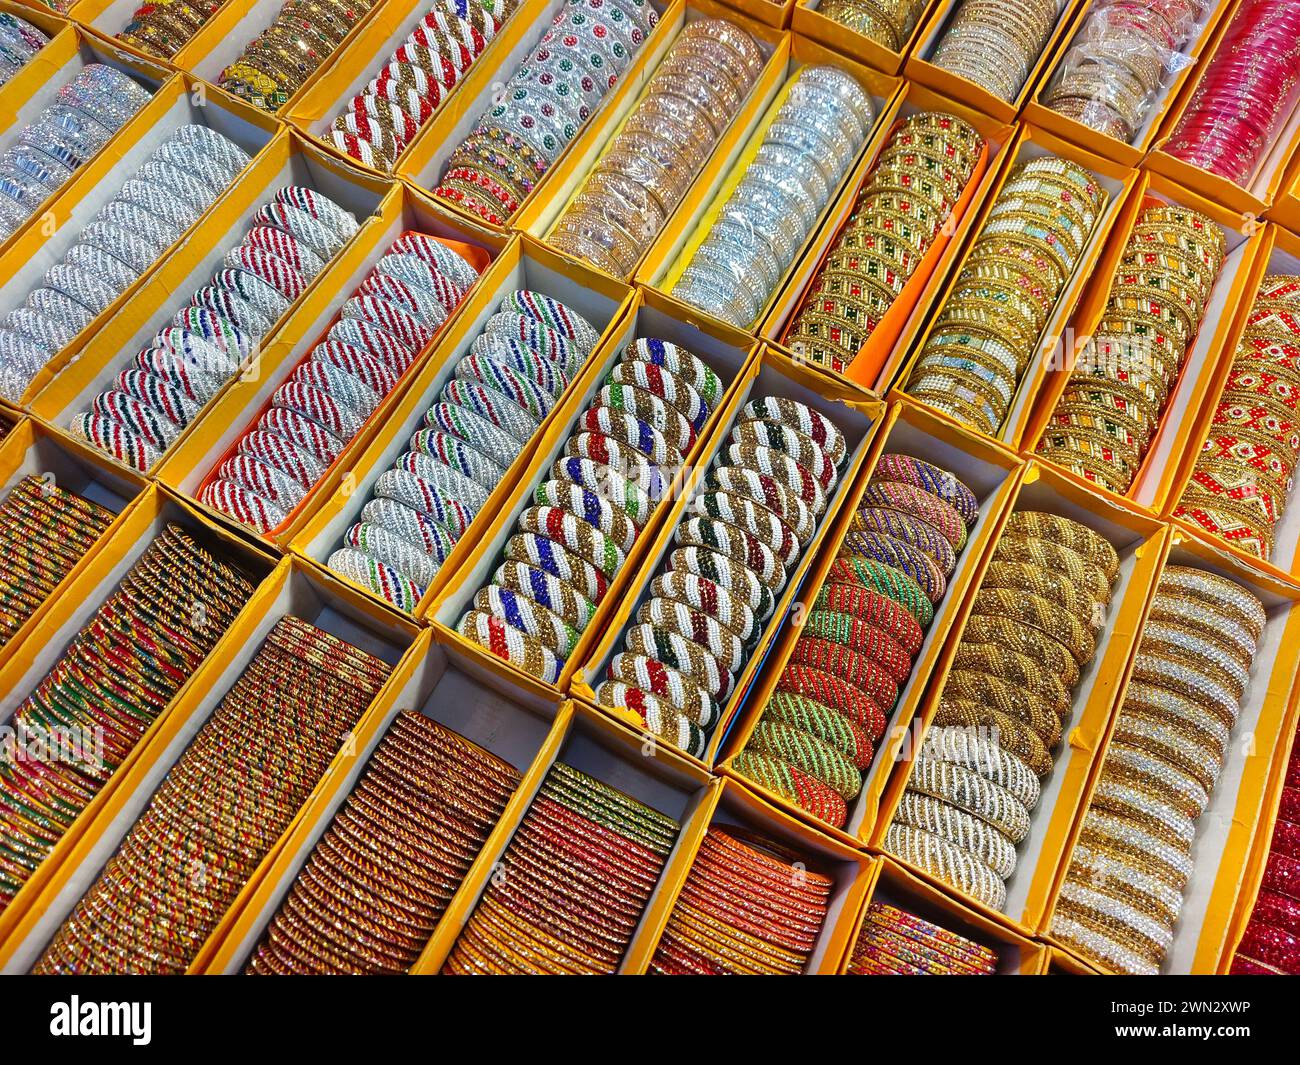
column 41, row 246
column 53, row 627
column 1279, row 253
column 858, row 417
column 726, row 351
column 236, row 25
column 367, row 52
column 1271, row 173
column 29, row 449
column 808, row 20
column 524, row 264
column 893, row 885
column 197, row 455
column 1127, row 153
column 291, row 589
column 614, row 755
column 774, row 13
column 287, row 160
column 1054, row 340
column 1139, row 540
column 921, row 69
column 728, row 805
column 881, row 357
column 425, row 158
column 1160, row 466
column 993, row 474
column 568, row 177
column 1237, row 822
column 689, row 226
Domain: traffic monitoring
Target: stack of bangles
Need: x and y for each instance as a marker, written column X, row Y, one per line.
column 887, row 22
column 42, row 158
column 384, row 117
column 45, row 530
column 758, row 227
column 818, row 732
column 381, row 876
column 500, row 392
column 1006, row 703
column 1270, row 943
column 169, row 383
column 749, row 906
column 314, row 415
column 179, row 180
column 280, row 59
column 162, row 27
column 996, row 43
column 1118, row 61
column 900, row 211
column 221, row 808
column 1244, row 474
column 542, row 107
column 737, row 541
column 990, row 327
column 1123, row 891
column 589, row 511
column 893, row 942
column 1245, row 94
column 572, row 886
column 650, row 163
column 110, row 684
column 1113, row 401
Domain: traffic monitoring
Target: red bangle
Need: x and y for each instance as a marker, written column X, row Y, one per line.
column 1273, row 946
column 875, row 609
column 856, row 669
column 836, row 694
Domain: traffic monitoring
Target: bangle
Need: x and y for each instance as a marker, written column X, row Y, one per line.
column 1011, row 735
column 967, row 790
column 963, row 829
column 948, row 862
column 793, row 785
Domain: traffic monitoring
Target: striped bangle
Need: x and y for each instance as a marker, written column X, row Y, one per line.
column 920, row 504
column 631, row 431
column 872, row 608
column 908, row 530
column 855, row 633
column 981, row 755
column 377, row 576
column 812, row 424
column 1034, row 610
column 460, row 456
column 492, row 406
column 997, row 693
column 735, row 544
column 545, row 589
column 1078, row 538
column 766, row 492
column 808, row 753
column 626, row 696
column 556, row 315
column 840, row 661
column 682, row 654
column 831, row 727
column 697, row 627
column 527, row 616
column 1013, row 735
column 522, row 389
column 747, row 515
column 947, row 862
column 590, row 507
column 971, row 792
column 983, row 628
column 837, row 694
column 888, row 580
column 679, row 361
column 580, row 537
column 630, row 498
column 1016, row 669
column 546, row 555
column 417, row 529
column 1013, row 547
column 778, row 436
column 681, row 691
column 710, row 599
column 960, row 828
column 511, row 645
column 390, row 548
column 648, row 408
column 722, row 571
column 497, row 446
column 666, row 385
column 444, row 477
column 793, row 785
column 929, row 478
column 782, row 469
column 901, row 556
column 427, row 498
